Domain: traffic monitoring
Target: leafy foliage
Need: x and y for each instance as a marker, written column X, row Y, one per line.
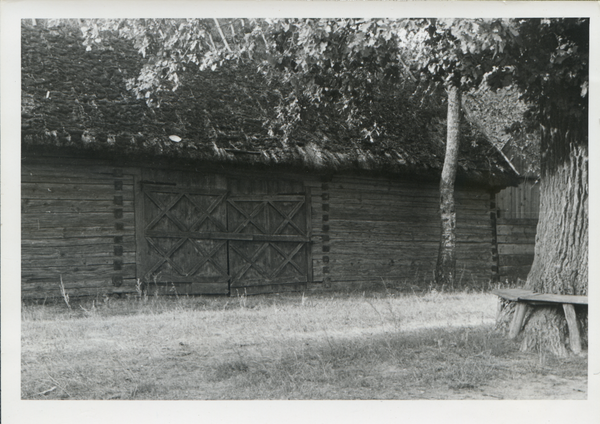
column 548, row 62
column 346, row 64
column 341, row 64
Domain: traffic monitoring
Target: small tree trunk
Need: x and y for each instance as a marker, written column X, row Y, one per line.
column 446, row 263
column 560, row 264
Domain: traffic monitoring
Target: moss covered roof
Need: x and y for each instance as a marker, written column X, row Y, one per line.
column 78, row 100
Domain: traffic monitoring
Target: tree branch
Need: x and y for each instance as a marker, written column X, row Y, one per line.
column 222, row 35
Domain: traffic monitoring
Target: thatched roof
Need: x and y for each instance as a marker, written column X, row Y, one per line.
column 78, row 100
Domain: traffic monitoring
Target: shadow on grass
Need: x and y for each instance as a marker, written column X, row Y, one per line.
column 289, row 347
column 389, row 366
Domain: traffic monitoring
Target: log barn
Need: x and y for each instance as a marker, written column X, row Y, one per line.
column 198, row 196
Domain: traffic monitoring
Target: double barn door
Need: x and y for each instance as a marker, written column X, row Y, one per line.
column 201, row 241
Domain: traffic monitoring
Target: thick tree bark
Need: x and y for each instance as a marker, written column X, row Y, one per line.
column 561, row 250
column 446, row 262
column 561, row 247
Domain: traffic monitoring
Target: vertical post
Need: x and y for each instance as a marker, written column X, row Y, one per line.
column 574, row 336
column 517, row 322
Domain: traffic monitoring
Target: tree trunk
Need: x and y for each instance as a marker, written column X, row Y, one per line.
column 446, row 262
column 560, row 265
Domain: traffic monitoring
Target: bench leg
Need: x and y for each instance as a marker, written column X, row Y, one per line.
column 517, row 322
column 574, row 336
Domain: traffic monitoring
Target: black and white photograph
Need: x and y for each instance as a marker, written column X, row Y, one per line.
column 372, row 204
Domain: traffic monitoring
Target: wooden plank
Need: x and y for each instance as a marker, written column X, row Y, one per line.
column 378, row 184
column 62, row 165
column 70, row 262
column 371, row 246
column 518, row 261
column 516, row 223
column 73, row 220
column 274, row 183
column 90, row 250
column 83, row 178
column 389, row 230
column 555, row 298
column 210, row 288
column 511, row 230
column 381, row 185
column 402, row 204
column 268, row 198
column 127, row 239
column 516, row 249
column 74, row 191
column 414, row 196
column 514, row 272
column 528, row 295
column 156, row 187
column 365, row 198
column 424, row 223
column 193, row 279
column 512, row 294
column 53, row 291
column 226, row 236
column 354, row 255
column 517, row 322
column 75, row 233
column 516, row 239
column 378, row 280
column 40, row 206
column 574, row 335
column 186, row 288
column 83, row 273
column 382, row 270
column 265, row 289
column 74, row 287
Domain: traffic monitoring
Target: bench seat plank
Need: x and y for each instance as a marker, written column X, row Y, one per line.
column 556, row 298
column 512, row 294
column 516, row 295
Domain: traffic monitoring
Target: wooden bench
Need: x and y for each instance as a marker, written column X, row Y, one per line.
column 527, row 297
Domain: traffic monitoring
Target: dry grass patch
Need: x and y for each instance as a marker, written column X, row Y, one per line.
column 293, row 346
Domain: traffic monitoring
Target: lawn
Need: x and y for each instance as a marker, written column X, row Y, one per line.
column 293, row 346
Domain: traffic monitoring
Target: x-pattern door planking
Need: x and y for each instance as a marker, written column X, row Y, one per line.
column 181, row 230
column 198, row 237
column 277, row 252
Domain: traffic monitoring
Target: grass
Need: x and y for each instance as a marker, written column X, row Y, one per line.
column 292, row 346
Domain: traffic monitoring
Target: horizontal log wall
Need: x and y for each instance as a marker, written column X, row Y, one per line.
column 516, row 243
column 381, row 231
column 77, row 225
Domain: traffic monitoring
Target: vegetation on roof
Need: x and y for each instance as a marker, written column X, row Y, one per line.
column 502, row 116
column 79, row 99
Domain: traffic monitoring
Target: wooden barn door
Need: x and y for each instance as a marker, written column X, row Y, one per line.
column 268, row 248
column 209, row 241
column 185, row 239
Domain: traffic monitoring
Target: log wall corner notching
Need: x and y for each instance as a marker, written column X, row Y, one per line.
column 102, row 229
column 78, row 226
